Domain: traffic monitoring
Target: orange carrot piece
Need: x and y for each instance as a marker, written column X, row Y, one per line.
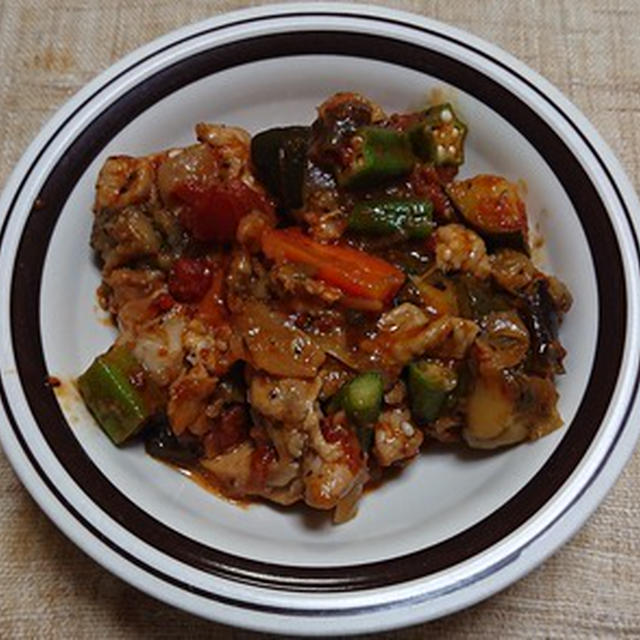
column 356, row 273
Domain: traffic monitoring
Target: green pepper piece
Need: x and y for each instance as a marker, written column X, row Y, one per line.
column 119, row 393
column 409, row 218
column 280, row 159
column 378, row 155
column 429, row 383
column 439, row 136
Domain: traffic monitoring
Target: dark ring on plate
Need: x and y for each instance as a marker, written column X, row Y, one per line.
column 25, row 315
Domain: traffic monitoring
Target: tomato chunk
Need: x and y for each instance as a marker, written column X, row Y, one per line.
column 230, row 429
column 213, row 211
column 189, row 279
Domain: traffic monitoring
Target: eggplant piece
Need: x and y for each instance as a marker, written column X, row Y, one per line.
column 492, row 207
column 476, row 298
column 280, row 159
column 162, row 443
column 540, row 316
column 339, row 117
column 504, row 340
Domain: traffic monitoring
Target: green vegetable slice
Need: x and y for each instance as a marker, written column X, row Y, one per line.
column 439, row 136
column 429, row 383
column 362, row 398
column 378, row 155
column 119, row 393
column 409, row 218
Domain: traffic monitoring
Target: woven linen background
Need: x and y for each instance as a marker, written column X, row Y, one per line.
column 590, row 50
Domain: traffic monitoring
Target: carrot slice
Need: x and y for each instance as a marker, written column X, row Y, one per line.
column 356, row 273
column 212, row 309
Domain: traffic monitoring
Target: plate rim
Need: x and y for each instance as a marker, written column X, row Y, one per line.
column 268, row 11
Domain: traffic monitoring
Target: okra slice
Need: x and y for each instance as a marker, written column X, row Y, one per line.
column 378, row 155
column 119, row 393
column 429, row 382
column 362, row 398
column 439, row 136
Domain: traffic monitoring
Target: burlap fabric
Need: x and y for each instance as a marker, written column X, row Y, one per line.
column 590, row 50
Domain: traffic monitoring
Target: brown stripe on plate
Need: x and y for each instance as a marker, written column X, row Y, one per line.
column 25, row 315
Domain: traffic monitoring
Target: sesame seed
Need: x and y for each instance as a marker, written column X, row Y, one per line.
column 407, row 429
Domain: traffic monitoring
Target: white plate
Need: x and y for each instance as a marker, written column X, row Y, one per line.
column 454, row 528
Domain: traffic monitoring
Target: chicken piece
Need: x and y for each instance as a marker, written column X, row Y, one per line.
column 246, row 278
column 188, row 397
column 232, row 148
column 250, row 230
column 155, row 341
column 233, row 469
column 216, row 348
column 122, row 236
column 406, row 332
column 286, row 407
column 503, row 342
column 124, row 285
column 347, row 506
column 449, row 337
column 401, row 333
column 326, row 226
column 503, row 410
column 460, row 249
column 124, row 181
column 290, row 280
column 287, row 495
column 512, row 270
column 333, row 463
column 287, row 400
column 397, row 394
column 396, row 438
column 139, row 314
column 195, row 166
column 326, row 483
